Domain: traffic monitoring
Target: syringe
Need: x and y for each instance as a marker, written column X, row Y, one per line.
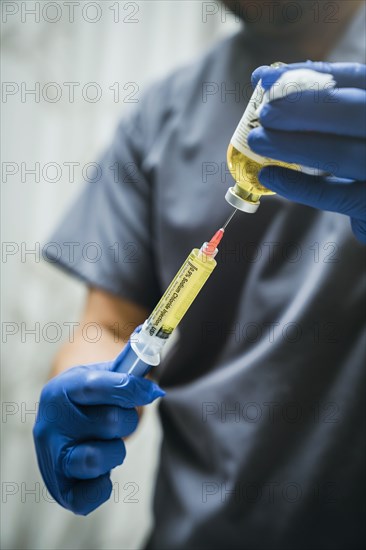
column 143, row 350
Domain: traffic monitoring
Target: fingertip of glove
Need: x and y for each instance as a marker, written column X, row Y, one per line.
column 269, row 113
column 152, row 390
column 257, row 74
column 255, row 138
column 158, row 392
column 268, row 176
column 264, row 174
column 270, row 78
column 87, row 495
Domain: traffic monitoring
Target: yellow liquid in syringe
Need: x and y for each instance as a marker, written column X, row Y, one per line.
column 176, row 300
column 180, row 294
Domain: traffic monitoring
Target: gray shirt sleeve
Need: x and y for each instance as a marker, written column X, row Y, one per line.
column 105, row 238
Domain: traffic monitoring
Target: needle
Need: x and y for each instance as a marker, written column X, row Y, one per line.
column 215, row 241
column 229, row 219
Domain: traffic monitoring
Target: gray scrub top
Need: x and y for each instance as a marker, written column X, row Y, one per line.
column 263, row 418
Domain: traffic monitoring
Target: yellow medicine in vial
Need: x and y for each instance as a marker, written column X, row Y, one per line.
column 244, row 165
column 181, row 292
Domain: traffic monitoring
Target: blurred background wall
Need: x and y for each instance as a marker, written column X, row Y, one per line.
column 87, row 64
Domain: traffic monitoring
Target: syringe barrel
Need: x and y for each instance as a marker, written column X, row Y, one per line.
column 143, row 350
column 180, row 294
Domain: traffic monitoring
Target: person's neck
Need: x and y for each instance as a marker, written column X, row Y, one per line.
column 316, row 44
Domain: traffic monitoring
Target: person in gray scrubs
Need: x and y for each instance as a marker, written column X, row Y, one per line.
column 263, row 414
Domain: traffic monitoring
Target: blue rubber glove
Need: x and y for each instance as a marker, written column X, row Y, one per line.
column 82, row 416
column 323, row 129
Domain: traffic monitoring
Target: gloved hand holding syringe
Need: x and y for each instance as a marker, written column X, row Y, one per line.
column 144, row 347
column 96, row 404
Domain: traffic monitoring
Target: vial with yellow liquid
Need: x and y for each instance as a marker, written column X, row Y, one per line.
column 244, row 165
